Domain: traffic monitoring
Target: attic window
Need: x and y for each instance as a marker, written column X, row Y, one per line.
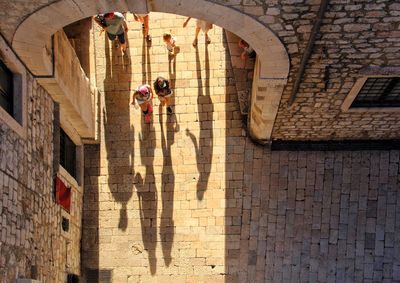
column 378, row 92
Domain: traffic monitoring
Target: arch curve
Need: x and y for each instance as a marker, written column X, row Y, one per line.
column 31, row 41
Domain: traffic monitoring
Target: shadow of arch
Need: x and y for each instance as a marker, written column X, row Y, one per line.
column 32, row 42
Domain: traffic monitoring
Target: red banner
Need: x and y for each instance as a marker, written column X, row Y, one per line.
column 63, row 194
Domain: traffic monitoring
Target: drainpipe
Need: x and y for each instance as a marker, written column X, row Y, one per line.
column 309, row 48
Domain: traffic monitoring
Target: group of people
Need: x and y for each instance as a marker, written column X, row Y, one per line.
column 143, row 96
column 115, row 26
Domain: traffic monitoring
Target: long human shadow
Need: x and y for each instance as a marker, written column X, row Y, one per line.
column 203, row 147
column 167, row 228
column 117, row 131
column 145, row 186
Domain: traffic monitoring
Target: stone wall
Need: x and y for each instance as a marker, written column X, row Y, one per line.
column 33, row 244
column 80, row 35
column 352, row 38
column 71, row 88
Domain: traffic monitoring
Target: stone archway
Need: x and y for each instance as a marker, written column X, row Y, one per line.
column 32, row 42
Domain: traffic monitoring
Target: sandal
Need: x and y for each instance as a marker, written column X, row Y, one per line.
column 148, row 38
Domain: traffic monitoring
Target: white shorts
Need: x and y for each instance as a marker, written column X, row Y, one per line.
column 204, row 25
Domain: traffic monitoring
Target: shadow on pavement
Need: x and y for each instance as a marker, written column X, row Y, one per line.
column 145, row 186
column 204, row 146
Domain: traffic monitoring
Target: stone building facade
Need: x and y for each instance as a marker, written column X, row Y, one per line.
column 354, row 41
column 263, row 216
column 33, row 244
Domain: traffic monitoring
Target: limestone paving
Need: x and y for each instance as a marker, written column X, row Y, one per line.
column 189, row 198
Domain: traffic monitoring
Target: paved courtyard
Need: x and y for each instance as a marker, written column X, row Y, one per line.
column 161, row 189
column 189, row 198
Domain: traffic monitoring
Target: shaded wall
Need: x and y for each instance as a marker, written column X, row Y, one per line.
column 314, row 216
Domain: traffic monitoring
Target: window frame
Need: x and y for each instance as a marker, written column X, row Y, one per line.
column 68, row 159
column 61, row 123
column 17, row 120
column 8, row 95
column 358, row 85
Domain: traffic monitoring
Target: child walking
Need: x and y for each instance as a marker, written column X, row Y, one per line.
column 170, row 41
column 164, row 93
column 143, row 96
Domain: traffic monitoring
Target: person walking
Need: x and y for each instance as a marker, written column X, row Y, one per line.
column 170, row 42
column 164, row 93
column 144, row 19
column 143, row 96
column 115, row 26
column 200, row 25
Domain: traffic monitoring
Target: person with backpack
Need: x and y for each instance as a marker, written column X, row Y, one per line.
column 115, row 26
column 164, row 92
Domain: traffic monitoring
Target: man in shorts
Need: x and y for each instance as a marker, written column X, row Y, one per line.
column 200, row 25
column 115, row 25
column 144, row 19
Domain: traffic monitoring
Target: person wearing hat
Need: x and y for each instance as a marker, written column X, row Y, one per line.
column 143, row 96
column 164, row 93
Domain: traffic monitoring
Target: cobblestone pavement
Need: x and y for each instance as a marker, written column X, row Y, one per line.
column 161, row 186
column 188, row 198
